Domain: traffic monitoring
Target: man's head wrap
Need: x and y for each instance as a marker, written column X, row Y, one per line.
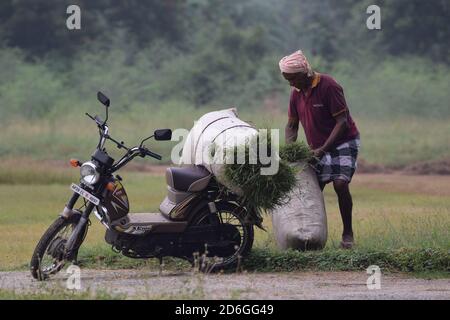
column 294, row 63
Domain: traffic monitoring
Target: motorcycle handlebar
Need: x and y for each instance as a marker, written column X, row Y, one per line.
column 97, row 120
column 144, row 151
column 131, row 154
column 152, row 154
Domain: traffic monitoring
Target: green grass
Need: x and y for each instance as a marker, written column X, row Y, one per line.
column 27, row 210
column 25, row 172
column 295, row 152
column 407, row 227
column 404, row 260
column 404, row 140
column 259, row 191
column 424, row 262
column 391, row 141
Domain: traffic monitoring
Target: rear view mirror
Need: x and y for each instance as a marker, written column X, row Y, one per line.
column 163, row 134
column 103, row 99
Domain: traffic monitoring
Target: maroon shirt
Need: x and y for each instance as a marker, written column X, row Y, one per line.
column 318, row 108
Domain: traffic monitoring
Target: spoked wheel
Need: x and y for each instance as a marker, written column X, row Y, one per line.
column 235, row 239
column 48, row 257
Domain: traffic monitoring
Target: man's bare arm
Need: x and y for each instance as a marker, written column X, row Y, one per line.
column 338, row 130
column 291, row 130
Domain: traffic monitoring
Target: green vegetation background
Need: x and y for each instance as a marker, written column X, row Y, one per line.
column 165, row 63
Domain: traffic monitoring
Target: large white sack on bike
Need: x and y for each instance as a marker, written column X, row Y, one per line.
column 189, row 153
column 302, row 222
column 210, row 136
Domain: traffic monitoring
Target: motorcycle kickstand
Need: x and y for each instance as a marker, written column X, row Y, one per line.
column 161, row 265
column 75, row 261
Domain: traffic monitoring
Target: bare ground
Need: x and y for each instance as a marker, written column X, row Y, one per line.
column 431, row 167
column 143, row 284
column 433, row 185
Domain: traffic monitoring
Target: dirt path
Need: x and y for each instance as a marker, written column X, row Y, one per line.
column 296, row 285
column 434, row 185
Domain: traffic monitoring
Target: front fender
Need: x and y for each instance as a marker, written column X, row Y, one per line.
column 69, row 213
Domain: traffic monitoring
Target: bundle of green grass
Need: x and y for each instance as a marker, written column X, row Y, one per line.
column 261, row 193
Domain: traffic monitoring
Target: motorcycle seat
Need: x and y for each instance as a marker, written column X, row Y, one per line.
column 189, row 179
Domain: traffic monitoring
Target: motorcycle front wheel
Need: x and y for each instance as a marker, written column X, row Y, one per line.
column 48, row 257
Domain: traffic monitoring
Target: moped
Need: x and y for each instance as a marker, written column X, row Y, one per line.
column 196, row 221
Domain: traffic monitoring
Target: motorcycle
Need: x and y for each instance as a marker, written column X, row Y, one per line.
column 196, row 221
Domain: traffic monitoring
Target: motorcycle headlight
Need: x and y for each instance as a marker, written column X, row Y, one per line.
column 89, row 174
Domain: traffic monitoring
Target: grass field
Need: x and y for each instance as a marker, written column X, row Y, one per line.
column 390, row 213
column 388, row 141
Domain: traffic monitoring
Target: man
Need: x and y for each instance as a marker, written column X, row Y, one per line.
column 317, row 101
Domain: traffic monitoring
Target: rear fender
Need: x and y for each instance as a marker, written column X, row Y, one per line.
column 198, row 209
column 203, row 206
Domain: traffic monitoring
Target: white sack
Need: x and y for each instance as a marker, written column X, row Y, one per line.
column 302, row 223
column 218, row 131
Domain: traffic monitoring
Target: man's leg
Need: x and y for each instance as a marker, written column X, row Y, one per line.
column 345, row 206
column 322, row 185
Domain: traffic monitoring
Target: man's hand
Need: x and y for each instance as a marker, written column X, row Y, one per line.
column 291, row 130
column 338, row 131
column 318, row 153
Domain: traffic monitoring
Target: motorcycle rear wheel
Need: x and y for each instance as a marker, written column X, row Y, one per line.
column 231, row 216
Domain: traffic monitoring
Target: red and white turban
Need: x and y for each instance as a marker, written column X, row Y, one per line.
column 294, row 63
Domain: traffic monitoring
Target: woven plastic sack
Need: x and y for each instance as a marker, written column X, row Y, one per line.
column 211, row 135
column 302, row 222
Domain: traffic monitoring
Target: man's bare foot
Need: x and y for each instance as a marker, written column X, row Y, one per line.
column 347, row 241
